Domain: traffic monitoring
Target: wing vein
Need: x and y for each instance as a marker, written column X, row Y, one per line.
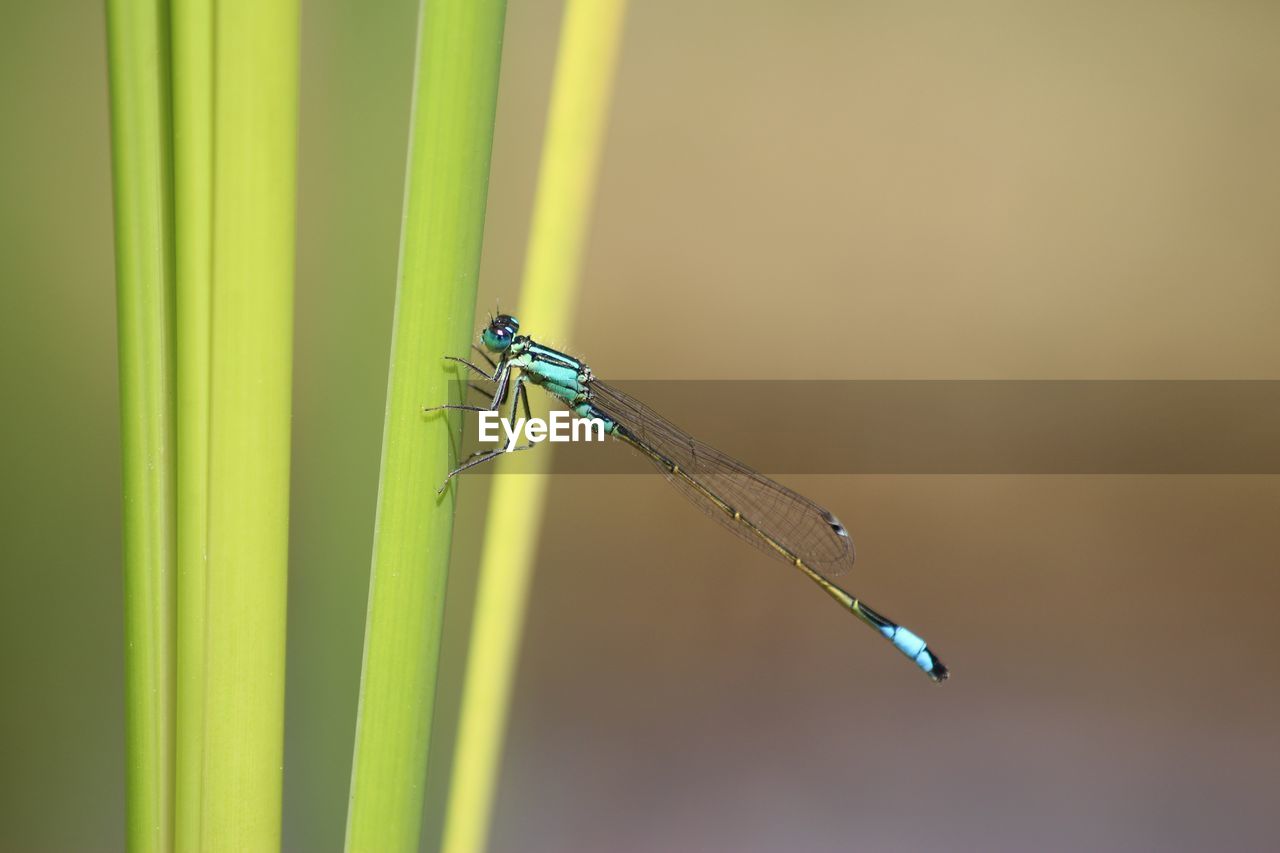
column 771, row 515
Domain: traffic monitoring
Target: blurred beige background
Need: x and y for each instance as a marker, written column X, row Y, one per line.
column 817, row 189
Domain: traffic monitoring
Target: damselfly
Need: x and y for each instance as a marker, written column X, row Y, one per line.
column 764, row 513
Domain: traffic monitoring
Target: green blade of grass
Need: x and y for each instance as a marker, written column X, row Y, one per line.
column 137, row 34
column 254, row 129
column 193, row 234
column 455, row 94
column 589, row 41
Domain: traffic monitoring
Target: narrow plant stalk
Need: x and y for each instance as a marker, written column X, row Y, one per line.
column 192, row 39
column 137, row 35
column 589, row 42
column 455, row 94
column 254, row 128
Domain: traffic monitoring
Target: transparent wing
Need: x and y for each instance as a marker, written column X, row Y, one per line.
column 794, row 522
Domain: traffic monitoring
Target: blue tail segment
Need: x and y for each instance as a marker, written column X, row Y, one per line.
column 905, row 641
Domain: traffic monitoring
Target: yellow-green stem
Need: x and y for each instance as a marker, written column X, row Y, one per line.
column 254, row 109
column 137, row 33
column 455, row 94
column 589, row 41
column 192, row 40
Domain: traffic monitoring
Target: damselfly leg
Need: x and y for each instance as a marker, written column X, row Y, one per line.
column 520, row 399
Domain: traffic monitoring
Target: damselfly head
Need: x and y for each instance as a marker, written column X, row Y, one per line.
column 500, row 332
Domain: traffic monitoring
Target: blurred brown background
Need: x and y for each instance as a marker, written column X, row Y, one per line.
column 818, row 189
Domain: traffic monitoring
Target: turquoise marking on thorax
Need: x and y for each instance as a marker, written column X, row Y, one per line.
column 548, row 354
column 547, row 367
column 554, row 374
column 560, row 374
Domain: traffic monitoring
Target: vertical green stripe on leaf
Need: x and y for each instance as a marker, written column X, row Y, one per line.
column 137, row 35
column 193, row 234
column 255, row 68
column 455, row 94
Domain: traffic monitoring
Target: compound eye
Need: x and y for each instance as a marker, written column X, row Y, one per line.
column 497, row 338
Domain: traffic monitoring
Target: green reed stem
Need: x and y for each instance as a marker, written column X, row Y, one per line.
column 240, row 743
column 192, row 37
column 137, row 34
column 455, row 94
